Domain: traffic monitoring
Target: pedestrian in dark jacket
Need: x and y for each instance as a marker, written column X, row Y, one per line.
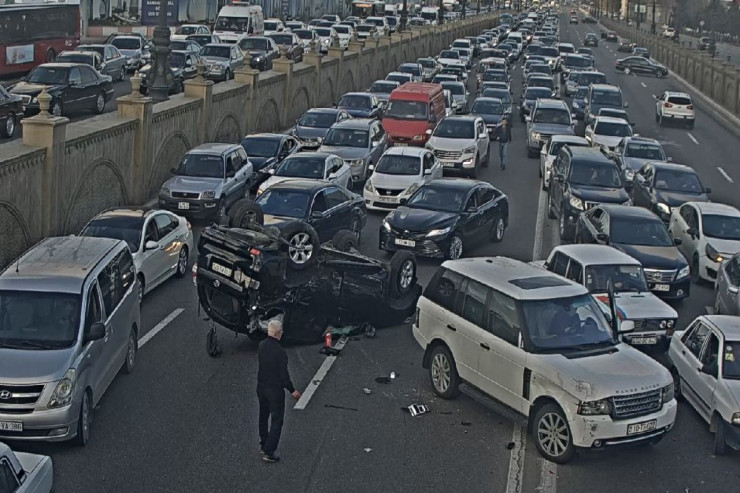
column 272, row 381
column 503, row 133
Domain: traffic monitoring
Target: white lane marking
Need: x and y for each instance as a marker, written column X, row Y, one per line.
column 161, row 325
column 319, row 377
column 643, row 84
column 548, row 477
column 724, row 173
column 516, row 461
column 539, row 226
column 653, row 95
column 693, row 139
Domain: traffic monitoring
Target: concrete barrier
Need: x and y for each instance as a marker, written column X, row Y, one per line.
column 64, row 173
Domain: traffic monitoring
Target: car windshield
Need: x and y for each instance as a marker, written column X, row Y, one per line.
column 75, row 58
column 533, row 93
column 645, row 151
column 607, row 98
column 540, row 68
column 302, row 167
column 342, row 29
column 323, row 32
column 219, row 51
column 566, row 323
column 303, row 33
column 126, row 43
column 455, row 129
column 123, row 228
column 257, row 147
column 566, row 49
column 392, row 164
column 731, row 360
column 48, row 75
column 548, row 51
column 365, row 28
column 531, row 49
column 286, row 203
column 246, row 44
column 449, row 54
column 271, row 25
column 681, row 100
column 186, row 30
column 456, row 71
column 721, row 227
column 355, row 102
column 407, row 110
column 177, row 44
column 577, row 61
column 37, row 320
column 455, row 88
column 585, row 51
column 235, row 24
column 495, row 76
column 613, row 129
column 487, row 108
column 552, row 116
column 427, row 63
column 678, row 181
column 641, row 232
column 624, row 278
column 438, row 198
column 282, row 39
column 383, row 87
column 346, row 137
column 501, row 94
column 399, row 77
column 461, row 44
column 317, row 119
column 202, row 165
column 586, row 79
column 177, row 60
column 595, row 175
column 410, row 69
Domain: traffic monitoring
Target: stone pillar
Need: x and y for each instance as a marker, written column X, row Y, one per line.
column 249, row 77
column 285, row 66
column 136, row 105
column 355, row 46
column 201, row 88
column 316, row 60
column 49, row 132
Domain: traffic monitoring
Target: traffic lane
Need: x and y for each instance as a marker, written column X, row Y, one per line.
column 458, row 446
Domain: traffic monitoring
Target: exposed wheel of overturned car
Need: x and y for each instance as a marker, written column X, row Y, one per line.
column 344, row 241
column 301, row 243
column 245, row 212
column 403, row 272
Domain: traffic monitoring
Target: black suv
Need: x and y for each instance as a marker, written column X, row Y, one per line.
column 582, row 177
column 591, row 39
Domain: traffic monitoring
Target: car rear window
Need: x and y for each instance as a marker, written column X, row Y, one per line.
column 679, row 100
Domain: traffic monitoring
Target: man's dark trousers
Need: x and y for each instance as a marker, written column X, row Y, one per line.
column 272, row 408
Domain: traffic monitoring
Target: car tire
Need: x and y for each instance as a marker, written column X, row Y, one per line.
column 499, row 229
column 720, row 442
column 8, row 128
column 301, row 244
column 100, row 103
column 182, row 263
column 356, row 228
column 443, row 373
column 552, row 434
column 676, row 384
column 456, row 247
column 564, row 230
column 132, row 348
column 717, row 306
column 627, row 70
column 122, row 74
column 140, row 289
column 244, row 213
column 403, row 273
column 694, row 269
column 84, row 421
column 344, row 241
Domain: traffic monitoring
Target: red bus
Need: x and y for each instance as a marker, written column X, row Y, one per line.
column 31, row 34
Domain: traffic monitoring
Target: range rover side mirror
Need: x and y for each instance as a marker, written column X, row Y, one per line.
column 626, row 326
column 602, row 237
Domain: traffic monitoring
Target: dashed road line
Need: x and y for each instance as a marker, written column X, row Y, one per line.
column 161, row 325
column 693, row 139
column 319, row 377
column 643, row 84
column 539, row 226
column 516, row 461
column 724, row 173
column 548, row 477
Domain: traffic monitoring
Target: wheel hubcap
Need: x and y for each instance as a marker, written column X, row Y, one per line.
column 407, row 274
column 500, row 229
column 456, row 247
column 131, row 350
column 101, row 102
column 300, row 249
column 10, row 125
column 182, row 264
column 562, row 225
column 441, row 372
column 552, row 433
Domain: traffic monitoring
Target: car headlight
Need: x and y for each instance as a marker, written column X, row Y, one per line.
column 357, row 162
column 668, row 393
column 534, row 136
column 369, row 187
column 592, row 408
column 439, row 232
column 735, row 419
column 165, row 191
column 469, row 150
column 418, row 137
column 683, row 272
column 629, row 174
column 576, row 105
column 410, row 190
column 386, row 225
column 64, row 390
column 260, row 191
column 576, row 202
column 208, row 195
column 219, row 68
column 713, row 254
column 34, row 100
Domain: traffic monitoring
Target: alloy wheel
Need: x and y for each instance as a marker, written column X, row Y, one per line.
column 10, row 125
column 441, row 373
column 407, row 275
column 100, row 103
column 56, row 109
column 182, row 262
column 500, row 229
column 456, row 247
column 300, row 248
column 553, row 434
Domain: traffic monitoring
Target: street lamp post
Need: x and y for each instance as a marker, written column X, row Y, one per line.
column 404, row 15
column 638, row 14
column 652, row 25
column 160, row 86
column 441, row 13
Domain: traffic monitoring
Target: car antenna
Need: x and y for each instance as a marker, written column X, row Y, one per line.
column 612, row 307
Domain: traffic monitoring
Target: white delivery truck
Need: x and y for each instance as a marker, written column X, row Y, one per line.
column 237, row 20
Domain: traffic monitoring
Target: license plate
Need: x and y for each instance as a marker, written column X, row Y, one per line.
column 183, row 206
column 221, row 269
column 401, row 144
column 406, row 243
column 448, row 164
column 661, row 287
column 642, row 427
column 11, row 426
column 644, row 340
column 387, row 199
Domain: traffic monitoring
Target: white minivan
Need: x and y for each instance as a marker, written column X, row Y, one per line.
column 531, row 342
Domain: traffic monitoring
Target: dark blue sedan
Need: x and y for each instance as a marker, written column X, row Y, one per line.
column 361, row 105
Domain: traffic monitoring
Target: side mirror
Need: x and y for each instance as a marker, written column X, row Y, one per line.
column 271, row 171
column 677, row 241
column 602, row 237
column 428, row 171
column 371, row 167
column 317, row 215
column 95, row 332
column 376, row 143
column 151, row 245
column 573, row 116
column 585, row 100
column 669, row 159
column 707, row 190
column 626, row 326
column 173, row 171
column 528, row 118
column 230, row 174
column 626, row 104
column 691, row 232
column 403, row 201
column 73, row 83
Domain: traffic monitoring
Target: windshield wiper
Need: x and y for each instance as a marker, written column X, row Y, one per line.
column 26, row 344
column 591, row 345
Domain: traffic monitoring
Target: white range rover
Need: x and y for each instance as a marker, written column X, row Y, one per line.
column 525, row 340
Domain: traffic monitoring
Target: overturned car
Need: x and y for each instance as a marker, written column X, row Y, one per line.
column 248, row 274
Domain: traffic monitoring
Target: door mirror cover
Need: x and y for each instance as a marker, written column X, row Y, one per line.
column 603, row 237
column 95, row 332
column 677, row 241
column 626, row 326
column 151, row 245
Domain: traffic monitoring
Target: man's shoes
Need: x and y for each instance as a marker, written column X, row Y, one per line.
column 262, row 452
column 270, row 458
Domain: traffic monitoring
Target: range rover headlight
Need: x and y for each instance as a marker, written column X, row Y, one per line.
column 165, row 191
column 594, row 408
column 668, row 393
column 735, row 419
column 64, row 390
column 664, row 208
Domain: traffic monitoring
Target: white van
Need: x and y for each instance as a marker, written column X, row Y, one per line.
column 237, row 20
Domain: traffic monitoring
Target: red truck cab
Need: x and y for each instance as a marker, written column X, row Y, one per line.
column 414, row 109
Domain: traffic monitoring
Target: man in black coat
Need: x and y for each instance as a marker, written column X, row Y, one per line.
column 272, row 381
column 503, row 133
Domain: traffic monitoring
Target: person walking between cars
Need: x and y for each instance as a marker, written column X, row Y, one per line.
column 272, row 381
column 503, row 133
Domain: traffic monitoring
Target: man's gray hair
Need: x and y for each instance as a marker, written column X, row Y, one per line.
column 274, row 327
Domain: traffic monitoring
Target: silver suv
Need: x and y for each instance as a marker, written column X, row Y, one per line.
column 549, row 117
column 209, row 179
column 69, row 320
column 461, row 144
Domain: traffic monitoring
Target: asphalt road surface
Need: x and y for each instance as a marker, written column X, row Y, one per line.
column 187, row 422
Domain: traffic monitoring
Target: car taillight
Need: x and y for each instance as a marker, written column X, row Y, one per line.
column 257, row 259
column 668, row 105
column 690, row 107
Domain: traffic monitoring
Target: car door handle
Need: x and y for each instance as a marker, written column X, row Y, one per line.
column 452, row 328
column 485, row 346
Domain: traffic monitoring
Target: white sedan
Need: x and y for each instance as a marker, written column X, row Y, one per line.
column 709, row 233
column 310, row 166
column 607, row 132
column 399, row 173
column 160, row 241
